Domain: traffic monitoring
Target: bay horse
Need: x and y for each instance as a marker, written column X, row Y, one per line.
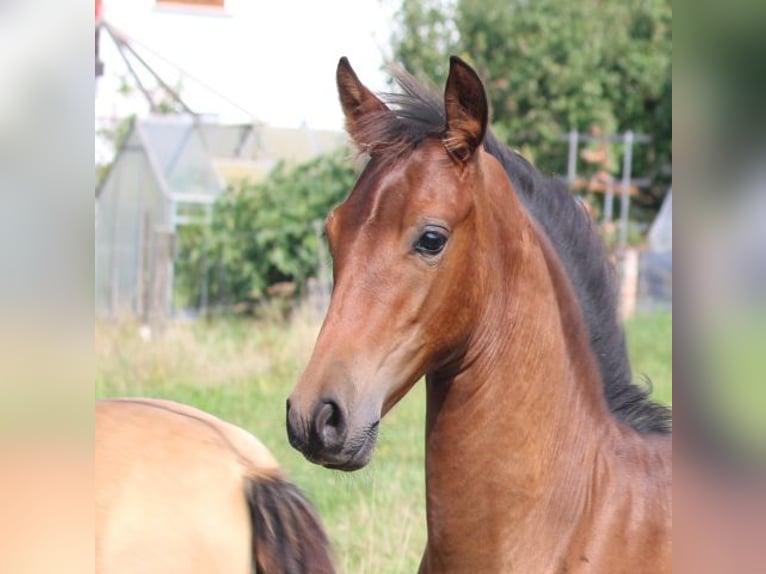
column 455, row 259
column 181, row 491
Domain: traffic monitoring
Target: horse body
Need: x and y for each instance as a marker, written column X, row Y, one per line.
column 441, row 270
column 503, row 498
column 178, row 490
column 531, row 472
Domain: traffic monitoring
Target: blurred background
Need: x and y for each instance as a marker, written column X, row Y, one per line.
column 187, row 226
column 219, row 151
column 217, row 160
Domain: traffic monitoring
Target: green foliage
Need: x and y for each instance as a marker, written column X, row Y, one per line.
column 424, row 33
column 262, row 234
column 555, row 65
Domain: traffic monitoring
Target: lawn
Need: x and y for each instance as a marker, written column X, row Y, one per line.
column 650, row 345
column 243, row 371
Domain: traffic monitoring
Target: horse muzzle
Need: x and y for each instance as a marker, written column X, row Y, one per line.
column 325, row 437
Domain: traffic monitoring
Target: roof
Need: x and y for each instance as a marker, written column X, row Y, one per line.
column 194, row 158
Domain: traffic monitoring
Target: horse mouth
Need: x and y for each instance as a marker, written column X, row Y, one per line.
column 360, row 455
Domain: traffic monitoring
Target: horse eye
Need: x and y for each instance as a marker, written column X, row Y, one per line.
column 431, row 243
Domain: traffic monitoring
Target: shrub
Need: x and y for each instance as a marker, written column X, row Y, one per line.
column 261, row 234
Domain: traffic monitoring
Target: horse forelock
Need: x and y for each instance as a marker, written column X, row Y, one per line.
column 288, row 536
column 419, row 116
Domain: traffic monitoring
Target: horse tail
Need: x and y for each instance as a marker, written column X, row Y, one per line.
column 288, row 536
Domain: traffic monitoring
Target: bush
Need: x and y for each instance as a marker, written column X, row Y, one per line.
column 261, row 234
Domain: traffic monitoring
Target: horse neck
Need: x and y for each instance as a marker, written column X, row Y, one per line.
column 509, row 427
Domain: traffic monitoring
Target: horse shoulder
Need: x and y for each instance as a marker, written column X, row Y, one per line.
column 633, row 516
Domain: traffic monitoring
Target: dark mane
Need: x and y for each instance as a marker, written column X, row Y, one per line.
column 419, row 116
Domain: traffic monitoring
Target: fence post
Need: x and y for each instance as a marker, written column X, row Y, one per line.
column 609, row 202
column 145, row 270
column 628, row 283
column 203, row 287
column 627, row 162
column 627, row 260
column 162, row 279
column 323, row 278
column 572, row 159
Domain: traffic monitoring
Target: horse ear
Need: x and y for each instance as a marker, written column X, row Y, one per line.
column 357, row 102
column 466, row 108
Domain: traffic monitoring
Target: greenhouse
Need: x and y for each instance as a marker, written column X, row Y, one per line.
column 169, row 171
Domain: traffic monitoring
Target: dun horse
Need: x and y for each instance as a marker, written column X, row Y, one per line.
column 455, row 259
column 180, row 491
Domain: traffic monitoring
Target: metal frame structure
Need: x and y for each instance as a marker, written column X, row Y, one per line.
column 628, row 139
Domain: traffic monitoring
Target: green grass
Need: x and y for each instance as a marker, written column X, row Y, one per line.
column 650, row 345
column 243, row 371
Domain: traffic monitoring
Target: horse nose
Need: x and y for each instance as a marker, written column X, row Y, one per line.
column 323, row 433
column 330, row 425
column 320, row 435
column 295, row 434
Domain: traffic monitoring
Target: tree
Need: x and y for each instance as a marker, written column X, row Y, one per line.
column 424, row 34
column 555, row 65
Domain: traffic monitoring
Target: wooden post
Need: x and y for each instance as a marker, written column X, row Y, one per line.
column 628, row 283
column 145, row 271
column 164, row 252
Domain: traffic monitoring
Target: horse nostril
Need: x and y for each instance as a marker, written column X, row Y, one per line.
column 329, row 423
column 328, row 415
